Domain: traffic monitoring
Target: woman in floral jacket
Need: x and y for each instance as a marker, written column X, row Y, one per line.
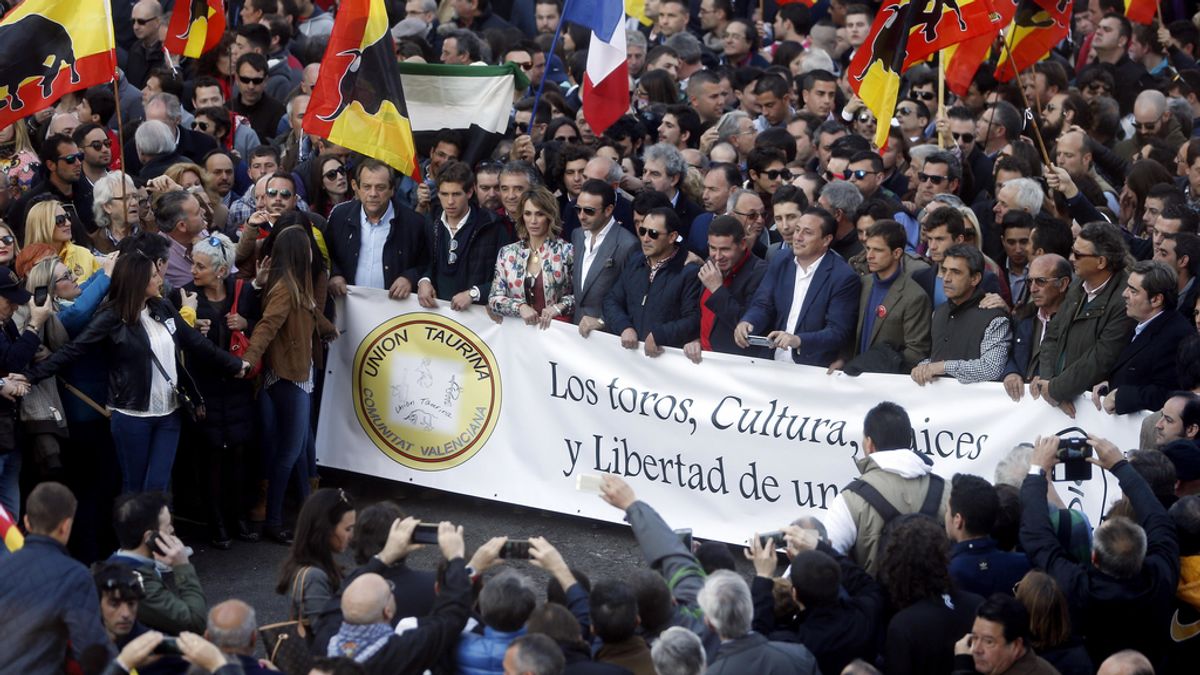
column 533, row 275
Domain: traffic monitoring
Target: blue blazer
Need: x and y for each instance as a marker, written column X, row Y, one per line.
column 830, row 312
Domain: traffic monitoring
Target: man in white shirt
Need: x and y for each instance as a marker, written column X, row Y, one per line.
column 601, row 248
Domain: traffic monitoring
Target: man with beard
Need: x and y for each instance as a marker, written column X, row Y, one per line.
column 487, row 187
column 1151, row 119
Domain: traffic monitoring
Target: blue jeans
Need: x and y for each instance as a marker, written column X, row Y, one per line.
column 145, row 450
column 10, row 487
column 285, row 411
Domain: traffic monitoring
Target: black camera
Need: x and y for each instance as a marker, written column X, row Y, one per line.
column 1073, row 453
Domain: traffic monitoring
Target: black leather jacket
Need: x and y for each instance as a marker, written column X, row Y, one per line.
column 126, row 351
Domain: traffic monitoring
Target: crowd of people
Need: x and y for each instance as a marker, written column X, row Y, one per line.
column 172, row 245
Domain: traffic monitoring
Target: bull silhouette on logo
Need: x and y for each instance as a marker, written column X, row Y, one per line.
column 20, row 63
column 888, row 46
column 198, row 10
column 379, row 58
column 1032, row 15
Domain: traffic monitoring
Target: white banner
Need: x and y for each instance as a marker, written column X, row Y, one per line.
column 452, row 400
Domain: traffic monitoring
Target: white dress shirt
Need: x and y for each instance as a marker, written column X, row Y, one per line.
column 369, row 272
column 804, row 277
column 591, row 242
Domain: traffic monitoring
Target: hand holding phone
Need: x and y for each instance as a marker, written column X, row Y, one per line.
column 425, row 533
column 759, row 341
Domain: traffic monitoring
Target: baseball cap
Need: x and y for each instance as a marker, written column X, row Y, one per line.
column 11, row 288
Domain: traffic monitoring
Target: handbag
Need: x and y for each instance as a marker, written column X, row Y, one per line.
column 192, row 405
column 286, row 642
column 239, row 344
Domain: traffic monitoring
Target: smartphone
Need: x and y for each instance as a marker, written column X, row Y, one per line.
column 685, row 537
column 426, row 533
column 39, row 295
column 759, row 341
column 777, row 535
column 168, row 647
column 589, row 482
column 515, row 549
column 154, row 545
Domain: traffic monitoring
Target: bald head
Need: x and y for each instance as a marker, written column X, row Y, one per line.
column 231, row 627
column 1127, row 662
column 366, row 600
column 1152, row 101
column 604, row 169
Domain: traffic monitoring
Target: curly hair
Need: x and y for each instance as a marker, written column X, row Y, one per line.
column 916, row 560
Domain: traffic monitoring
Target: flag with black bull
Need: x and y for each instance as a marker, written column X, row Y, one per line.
column 358, row 101
column 197, row 30
column 964, row 59
column 905, row 33
column 1036, row 28
column 49, row 48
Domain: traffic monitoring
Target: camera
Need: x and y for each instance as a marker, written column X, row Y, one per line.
column 1073, row 453
column 515, row 550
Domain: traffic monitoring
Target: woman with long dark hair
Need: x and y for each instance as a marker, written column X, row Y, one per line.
column 283, row 338
column 310, row 576
column 143, row 339
column 328, row 171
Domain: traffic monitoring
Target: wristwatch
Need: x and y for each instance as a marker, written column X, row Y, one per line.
column 474, row 294
column 1037, row 471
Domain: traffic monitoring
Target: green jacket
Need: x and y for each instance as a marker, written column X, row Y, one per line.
column 171, row 606
column 906, row 321
column 1081, row 344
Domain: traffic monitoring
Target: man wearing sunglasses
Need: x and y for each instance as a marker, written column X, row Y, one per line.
column 252, row 100
column 93, row 140
column 602, row 246
column 1151, row 119
column 63, row 162
column 146, row 53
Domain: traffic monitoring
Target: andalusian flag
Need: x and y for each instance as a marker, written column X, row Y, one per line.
column 1036, row 28
column 49, row 48
column 196, row 31
column 963, row 59
column 358, row 101
column 475, row 100
column 1141, row 11
column 905, row 33
column 9, row 532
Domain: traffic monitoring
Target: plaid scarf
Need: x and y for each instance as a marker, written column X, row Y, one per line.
column 359, row 642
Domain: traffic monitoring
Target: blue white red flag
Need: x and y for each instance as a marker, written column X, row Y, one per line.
column 606, row 80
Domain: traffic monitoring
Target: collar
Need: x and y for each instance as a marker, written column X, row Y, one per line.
column 1091, row 293
column 979, row 545
column 662, row 263
column 1137, row 330
column 737, row 267
column 385, row 219
column 811, row 268
column 892, row 279
column 903, row 462
column 460, row 223
column 1043, row 316
column 599, row 236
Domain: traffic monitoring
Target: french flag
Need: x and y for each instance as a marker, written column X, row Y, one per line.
column 606, row 81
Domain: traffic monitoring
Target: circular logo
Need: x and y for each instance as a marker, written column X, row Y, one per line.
column 426, row 390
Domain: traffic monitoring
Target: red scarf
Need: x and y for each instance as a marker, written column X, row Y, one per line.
column 707, row 319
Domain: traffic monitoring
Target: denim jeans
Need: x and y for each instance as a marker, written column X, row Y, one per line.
column 10, row 486
column 285, row 411
column 145, row 450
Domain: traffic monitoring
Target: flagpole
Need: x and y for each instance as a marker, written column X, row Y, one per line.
column 1037, row 132
column 941, row 57
column 546, row 71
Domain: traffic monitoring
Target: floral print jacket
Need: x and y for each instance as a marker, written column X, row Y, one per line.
column 508, row 288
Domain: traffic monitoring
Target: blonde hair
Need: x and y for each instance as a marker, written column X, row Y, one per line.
column 547, row 203
column 175, row 172
column 42, row 274
column 39, row 224
column 16, row 244
column 218, row 248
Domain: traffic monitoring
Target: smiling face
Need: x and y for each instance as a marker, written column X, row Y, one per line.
column 809, row 242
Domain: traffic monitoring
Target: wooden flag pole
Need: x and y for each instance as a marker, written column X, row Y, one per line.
column 941, row 58
column 1037, row 132
column 116, row 83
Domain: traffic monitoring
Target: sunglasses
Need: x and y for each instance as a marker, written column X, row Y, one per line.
column 566, row 139
column 859, row 174
column 1145, row 126
column 7, row 240
column 525, row 66
column 965, row 138
column 924, row 95
column 1042, row 281
column 202, row 126
column 96, row 145
column 926, row 178
column 1077, row 254
column 752, row 215
column 276, row 192
column 521, row 127
column 71, row 159
column 905, row 111
column 251, row 80
column 586, row 210
column 143, row 22
column 60, row 220
column 653, row 234
column 334, row 173
column 453, row 255
column 866, row 117
column 774, row 174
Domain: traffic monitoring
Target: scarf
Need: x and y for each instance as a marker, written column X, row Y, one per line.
column 359, row 642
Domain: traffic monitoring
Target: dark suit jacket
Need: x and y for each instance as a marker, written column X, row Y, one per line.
column 1027, row 340
column 1146, row 371
column 906, row 323
column 405, row 253
column 829, row 311
column 159, row 165
column 669, row 307
column 192, row 145
column 479, row 267
column 927, row 277
column 613, row 252
column 688, row 211
column 1081, row 345
column 728, row 303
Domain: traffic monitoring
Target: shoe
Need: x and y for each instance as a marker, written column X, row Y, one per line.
column 278, row 535
column 249, row 531
column 220, row 538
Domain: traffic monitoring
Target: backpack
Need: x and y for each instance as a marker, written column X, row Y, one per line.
column 889, row 513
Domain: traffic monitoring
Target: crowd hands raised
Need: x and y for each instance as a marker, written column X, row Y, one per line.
column 904, row 573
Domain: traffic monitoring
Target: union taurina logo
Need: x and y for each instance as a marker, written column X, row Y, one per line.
column 426, row 391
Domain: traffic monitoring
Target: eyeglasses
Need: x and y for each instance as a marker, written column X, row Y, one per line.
column 71, row 159
column 1096, row 87
column 7, row 240
column 859, row 174
column 566, row 139
column 277, row 192
column 926, row 178
column 334, row 173
column 587, row 210
column 1145, row 126
column 96, row 145
column 60, row 220
column 65, row 277
column 1077, row 254
column 774, row 174
column 924, row 95
column 1043, row 281
column 653, row 234
column 251, row 80
column 143, row 22
column 965, row 138
column 752, row 215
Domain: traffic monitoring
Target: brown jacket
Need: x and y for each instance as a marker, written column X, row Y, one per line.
column 284, row 335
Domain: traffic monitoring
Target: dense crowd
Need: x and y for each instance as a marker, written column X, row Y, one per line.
column 172, row 245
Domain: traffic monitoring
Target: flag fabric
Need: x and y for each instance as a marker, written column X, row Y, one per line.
column 475, row 100
column 637, row 9
column 1141, row 11
column 964, row 59
column 9, row 532
column 905, row 33
column 606, row 79
column 49, row 48
column 358, row 101
column 1037, row 26
column 196, row 31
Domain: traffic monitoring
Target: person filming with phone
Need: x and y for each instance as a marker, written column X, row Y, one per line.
column 1134, row 568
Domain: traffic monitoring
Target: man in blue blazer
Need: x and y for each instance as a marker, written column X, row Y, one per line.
column 807, row 304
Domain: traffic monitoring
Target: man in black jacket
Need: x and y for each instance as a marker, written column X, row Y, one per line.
column 1134, row 568
column 373, row 241
column 730, row 277
column 657, row 297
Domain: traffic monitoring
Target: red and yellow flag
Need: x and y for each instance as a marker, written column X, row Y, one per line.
column 196, row 31
column 358, row 102
column 49, row 48
column 905, row 33
column 1141, row 11
column 963, row 59
column 9, row 532
column 1036, row 28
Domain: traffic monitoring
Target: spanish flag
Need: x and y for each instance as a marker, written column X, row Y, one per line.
column 196, row 31
column 964, row 59
column 1036, row 28
column 905, row 33
column 49, row 48
column 637, row 9
column 358, row 101
column 9, row 532
column 1141, row 11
